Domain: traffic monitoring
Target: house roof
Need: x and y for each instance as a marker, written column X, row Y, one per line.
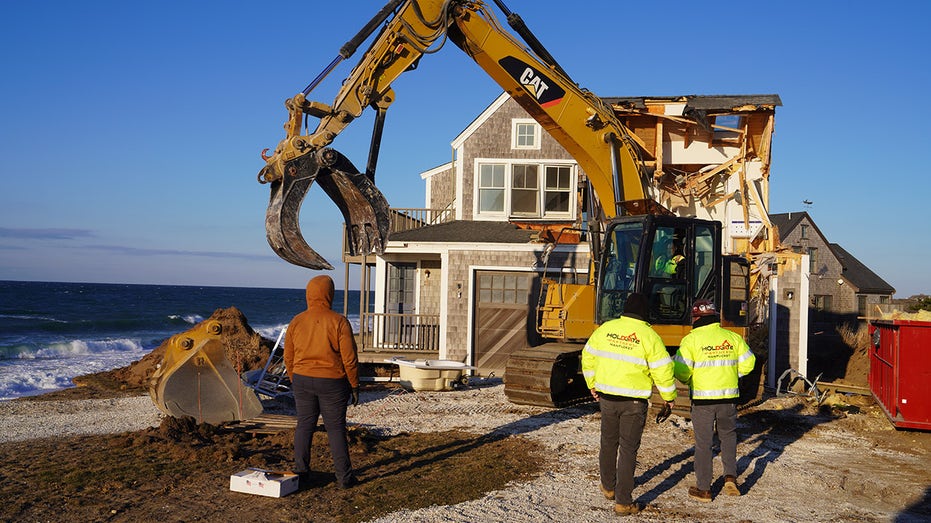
column 466, row 232
column 696, row 105
column 859, row 275
column 787, row 222
column 715, row 103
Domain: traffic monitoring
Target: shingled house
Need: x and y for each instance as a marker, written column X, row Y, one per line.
column 459, row 279
column 841, row 288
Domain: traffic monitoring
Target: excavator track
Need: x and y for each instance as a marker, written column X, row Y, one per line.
column 549, row 375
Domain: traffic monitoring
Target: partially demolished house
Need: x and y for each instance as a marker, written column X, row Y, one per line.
column 460, row 278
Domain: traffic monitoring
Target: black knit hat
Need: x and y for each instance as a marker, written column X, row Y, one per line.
column 636, row 306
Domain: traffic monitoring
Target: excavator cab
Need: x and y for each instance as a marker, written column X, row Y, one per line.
column 674, row 261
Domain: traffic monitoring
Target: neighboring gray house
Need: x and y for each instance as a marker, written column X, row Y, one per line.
column 840, row 286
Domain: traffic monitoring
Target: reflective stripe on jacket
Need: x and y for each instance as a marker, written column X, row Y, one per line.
column 710, row 360
column 625, row 357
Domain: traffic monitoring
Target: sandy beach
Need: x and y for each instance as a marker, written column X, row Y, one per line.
column 797, row 462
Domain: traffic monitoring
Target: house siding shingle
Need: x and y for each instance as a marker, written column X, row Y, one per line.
column 493, row 140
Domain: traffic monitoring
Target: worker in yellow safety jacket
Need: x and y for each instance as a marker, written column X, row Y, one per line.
column 710, row 360
column 621, row 362
column 666, row 264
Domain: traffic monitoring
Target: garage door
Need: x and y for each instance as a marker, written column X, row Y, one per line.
column 504, row 319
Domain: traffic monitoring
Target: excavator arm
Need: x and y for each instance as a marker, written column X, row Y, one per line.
column 578, row 120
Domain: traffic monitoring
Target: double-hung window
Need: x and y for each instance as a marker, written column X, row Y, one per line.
column 525, row 190
column 491, row 188
column 557, row 194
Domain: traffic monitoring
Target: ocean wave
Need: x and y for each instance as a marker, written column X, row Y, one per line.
column 270, row 332
column 70, row 349
column 31, row 317
column 191, row 319
column 28, row 377
column 18, row 381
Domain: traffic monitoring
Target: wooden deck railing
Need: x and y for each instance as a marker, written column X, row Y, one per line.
column 386, row 332
column 405, row 219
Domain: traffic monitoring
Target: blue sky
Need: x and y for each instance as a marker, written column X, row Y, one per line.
column 130, row 132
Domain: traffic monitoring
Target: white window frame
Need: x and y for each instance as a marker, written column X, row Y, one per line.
column 516, row 124
column 505, row 188
column 508, row 213
column 545, row 189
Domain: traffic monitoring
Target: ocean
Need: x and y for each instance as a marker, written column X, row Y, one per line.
column 52, row 332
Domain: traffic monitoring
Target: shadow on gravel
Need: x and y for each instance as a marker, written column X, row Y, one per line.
column 771, row 430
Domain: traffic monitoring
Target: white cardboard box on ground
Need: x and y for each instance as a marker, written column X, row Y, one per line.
column 264, row 482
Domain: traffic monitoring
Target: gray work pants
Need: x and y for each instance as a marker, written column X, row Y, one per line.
column 706, row 419
column 621, row 428
column 329, row 397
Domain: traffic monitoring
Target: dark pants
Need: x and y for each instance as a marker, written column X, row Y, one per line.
column 329, row 397
column 706, row 420
column 621, row 428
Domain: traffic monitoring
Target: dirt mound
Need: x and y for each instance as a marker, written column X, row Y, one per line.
column 173, row 473
column 244, row 347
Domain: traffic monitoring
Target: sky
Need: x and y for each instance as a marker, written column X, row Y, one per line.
column 131, row 132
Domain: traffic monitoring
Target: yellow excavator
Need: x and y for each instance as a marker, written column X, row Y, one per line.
column 627, row 228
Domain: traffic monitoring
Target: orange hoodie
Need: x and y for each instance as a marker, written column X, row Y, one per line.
column 319, row 342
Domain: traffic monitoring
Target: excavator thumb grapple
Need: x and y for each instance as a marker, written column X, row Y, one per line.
column 363, row 206
column 196, row 379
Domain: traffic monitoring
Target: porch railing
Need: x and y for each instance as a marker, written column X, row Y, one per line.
column 386, row 332
column 405, row 219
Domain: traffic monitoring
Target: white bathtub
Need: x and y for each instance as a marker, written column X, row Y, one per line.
column 429, row 374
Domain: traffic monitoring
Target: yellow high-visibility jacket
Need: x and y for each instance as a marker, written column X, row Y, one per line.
column 710, row 360
column 625, row 357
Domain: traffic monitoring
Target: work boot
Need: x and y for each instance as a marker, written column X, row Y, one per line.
column 608, row 494
column 701, row 495
column 349, row 482
column 626, row 510
column 730, row 486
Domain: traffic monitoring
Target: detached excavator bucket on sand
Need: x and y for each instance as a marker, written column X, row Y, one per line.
column 364, row 208
column 196, row 379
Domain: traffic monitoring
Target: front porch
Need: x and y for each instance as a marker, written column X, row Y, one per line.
column 384, row 335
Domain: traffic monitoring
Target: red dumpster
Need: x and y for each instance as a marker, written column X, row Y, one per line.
column 900, row 371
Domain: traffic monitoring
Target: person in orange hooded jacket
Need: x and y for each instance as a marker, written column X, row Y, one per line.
column 322, row 361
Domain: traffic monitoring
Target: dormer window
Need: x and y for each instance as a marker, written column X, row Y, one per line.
column 525, row 134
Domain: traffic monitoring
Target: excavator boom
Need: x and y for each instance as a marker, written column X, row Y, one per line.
column 577, row 119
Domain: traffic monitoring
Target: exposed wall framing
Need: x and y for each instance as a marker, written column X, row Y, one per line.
column 706, row 168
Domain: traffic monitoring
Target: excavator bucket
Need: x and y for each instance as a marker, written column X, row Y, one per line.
column 196, row 379
column 363, row 206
